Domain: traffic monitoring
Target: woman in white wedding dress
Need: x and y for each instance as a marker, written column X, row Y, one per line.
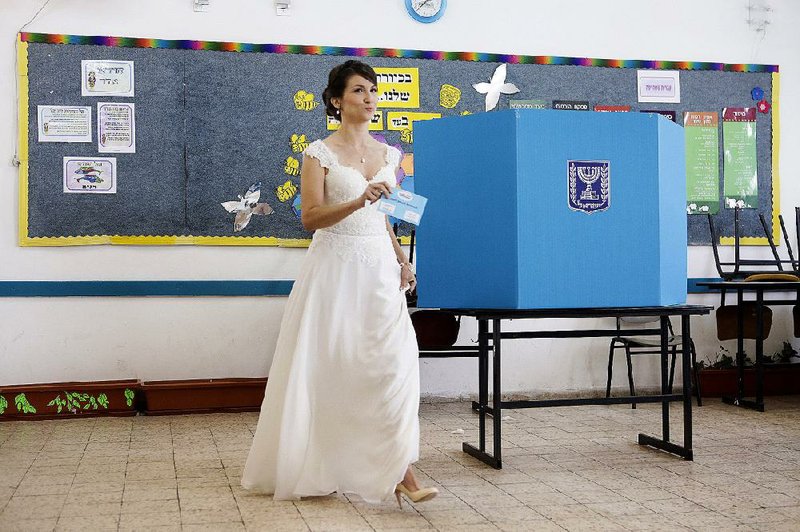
column 340, row 413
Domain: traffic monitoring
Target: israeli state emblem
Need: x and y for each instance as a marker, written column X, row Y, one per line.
column 589, row 185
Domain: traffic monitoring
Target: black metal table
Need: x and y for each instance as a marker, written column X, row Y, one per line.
column 491, row 341
column 758, row 288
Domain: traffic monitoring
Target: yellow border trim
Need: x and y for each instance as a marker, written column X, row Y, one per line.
column 744, row 241
column 165, row 241
column 777, row 237
column 22, row 142
column 776, row 148
column 171, row 241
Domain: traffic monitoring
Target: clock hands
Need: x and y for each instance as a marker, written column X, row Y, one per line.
column 426, row 11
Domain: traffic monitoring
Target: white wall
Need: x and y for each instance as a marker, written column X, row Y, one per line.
column 51, row 340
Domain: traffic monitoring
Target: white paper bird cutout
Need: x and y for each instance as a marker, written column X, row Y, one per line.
column 247, row 206
column 494, row 88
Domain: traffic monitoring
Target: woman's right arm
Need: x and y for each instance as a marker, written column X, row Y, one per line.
column 314, row 214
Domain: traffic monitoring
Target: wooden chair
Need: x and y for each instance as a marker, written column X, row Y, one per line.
column 742, row 268
column 753, row 270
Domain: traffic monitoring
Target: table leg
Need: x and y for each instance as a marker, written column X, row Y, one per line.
column 663, row 443
column 482, row 406
column 664, row 377
column 739, row 399
column 686, row 368
column 483, row 380
column 759, row 350
column 497, row 413
column 740, row 345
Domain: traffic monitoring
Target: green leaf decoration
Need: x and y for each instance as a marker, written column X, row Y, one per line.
column 71, row 403
column 23, row 405
column 58, row 402
column 128, row 397
column 4, row 404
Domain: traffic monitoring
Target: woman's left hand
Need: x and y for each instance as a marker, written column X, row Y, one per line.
column 408, row 281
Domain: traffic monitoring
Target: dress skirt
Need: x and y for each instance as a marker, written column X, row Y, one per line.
column 340, row 413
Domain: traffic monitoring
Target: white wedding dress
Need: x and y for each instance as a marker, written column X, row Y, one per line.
column 340, row 411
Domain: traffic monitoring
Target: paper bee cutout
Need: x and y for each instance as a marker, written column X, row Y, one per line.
column 291, row 166
column 298, row 143
column 495, row 87
column 285, row 191
column 247, row 206
column 449, row 96
column 304, row 101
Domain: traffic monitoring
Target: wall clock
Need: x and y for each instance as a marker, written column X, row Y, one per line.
column 426, row 11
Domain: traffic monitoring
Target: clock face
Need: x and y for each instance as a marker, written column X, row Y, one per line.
column 426, row 10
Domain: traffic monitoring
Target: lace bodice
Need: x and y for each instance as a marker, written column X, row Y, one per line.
column 345, row 183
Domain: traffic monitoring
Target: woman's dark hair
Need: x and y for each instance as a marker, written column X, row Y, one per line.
column 337, row 81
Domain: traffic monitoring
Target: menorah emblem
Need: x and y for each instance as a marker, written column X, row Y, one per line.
column 589, row 185
column 589, row 175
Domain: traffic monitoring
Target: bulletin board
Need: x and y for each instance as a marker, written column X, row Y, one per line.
column 216, row 120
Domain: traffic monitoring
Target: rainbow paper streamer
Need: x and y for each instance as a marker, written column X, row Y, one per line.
column 217, row 46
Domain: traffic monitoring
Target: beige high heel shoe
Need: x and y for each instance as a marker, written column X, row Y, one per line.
column 423, row 494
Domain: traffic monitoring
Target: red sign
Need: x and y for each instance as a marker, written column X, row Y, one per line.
column 612, row 108
column 739, row 114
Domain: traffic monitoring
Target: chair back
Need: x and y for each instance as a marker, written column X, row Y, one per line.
column 741, row 268
column 728, row 324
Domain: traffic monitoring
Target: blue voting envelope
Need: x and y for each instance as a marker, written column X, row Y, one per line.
column 403, row 205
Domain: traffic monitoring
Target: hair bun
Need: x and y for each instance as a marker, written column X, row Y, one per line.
column 337, row 80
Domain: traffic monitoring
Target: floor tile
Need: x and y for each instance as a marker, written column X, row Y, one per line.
column 576, row 468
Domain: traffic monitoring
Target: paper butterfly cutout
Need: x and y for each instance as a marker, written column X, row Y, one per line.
column 247, row 206
column 495, row 87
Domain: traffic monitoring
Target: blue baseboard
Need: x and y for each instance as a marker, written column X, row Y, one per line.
column 692, row 287
column 181, row 288
column 143, row 288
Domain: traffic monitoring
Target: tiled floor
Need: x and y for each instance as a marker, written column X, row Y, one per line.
column 573, row 468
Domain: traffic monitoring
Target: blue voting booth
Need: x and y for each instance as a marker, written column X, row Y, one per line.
column 551, row 209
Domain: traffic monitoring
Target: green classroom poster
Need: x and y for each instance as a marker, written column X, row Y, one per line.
column 702, row 162
column 740, row 173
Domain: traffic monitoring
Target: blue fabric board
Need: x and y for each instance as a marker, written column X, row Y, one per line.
column 150, row 189
column 210, row 124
